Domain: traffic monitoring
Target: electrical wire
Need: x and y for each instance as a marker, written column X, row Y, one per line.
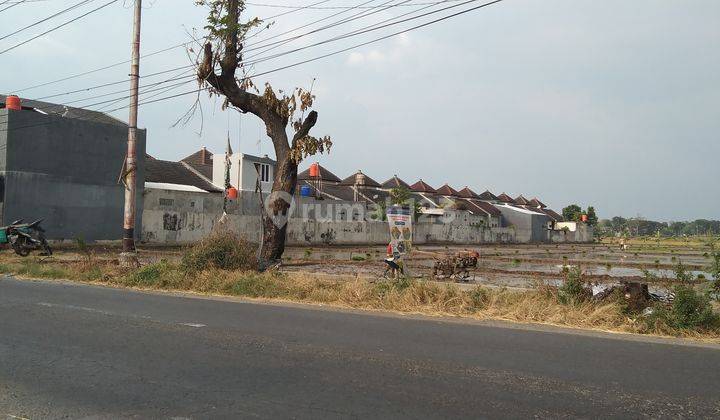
column 298, row 63
column 58, row 26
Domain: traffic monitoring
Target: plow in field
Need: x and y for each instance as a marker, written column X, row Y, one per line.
column 459, row 266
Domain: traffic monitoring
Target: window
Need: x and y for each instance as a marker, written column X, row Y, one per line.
column 167, row 201
column 264, row 173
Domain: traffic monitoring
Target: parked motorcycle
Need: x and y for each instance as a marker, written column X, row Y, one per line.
column 25, row 237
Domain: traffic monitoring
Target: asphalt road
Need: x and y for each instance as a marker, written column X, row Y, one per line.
column 78, row 351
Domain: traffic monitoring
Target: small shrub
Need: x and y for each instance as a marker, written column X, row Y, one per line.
column 516, row 262
column 573, row 290
column 222, row 250
column 689, row 311
column 308, row 253
column 358, row 258
column 149, row 275
column 682, row 274
column 608, row 267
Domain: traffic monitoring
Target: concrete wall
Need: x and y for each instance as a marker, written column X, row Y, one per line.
column 582, row 233
column 528, row 226
column 65, row 171
column 182, row 217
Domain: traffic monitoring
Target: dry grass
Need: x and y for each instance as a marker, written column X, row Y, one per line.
column 539, row 305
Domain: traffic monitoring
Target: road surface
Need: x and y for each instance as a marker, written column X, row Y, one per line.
column 79, row 351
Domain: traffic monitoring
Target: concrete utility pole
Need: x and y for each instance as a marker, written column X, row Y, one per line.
column 129, row 254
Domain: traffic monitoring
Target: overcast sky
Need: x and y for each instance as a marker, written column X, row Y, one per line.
column 611, row 103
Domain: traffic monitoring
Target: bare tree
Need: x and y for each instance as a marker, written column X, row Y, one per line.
column 223, row 48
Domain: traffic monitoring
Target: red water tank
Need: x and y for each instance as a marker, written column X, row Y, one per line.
column 232, row 193
column 314, row 170
column 13, row 102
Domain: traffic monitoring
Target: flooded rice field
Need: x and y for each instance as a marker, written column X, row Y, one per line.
column 515, row 265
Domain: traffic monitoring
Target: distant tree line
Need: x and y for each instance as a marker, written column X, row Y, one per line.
column 638, row 226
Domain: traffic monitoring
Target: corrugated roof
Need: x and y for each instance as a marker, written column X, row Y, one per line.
column 201, row 161
column 167, row 172
column 447, row 190
column 360, row 178
column 395, row 182
column 325, row 175
column 487, row 195
column 422, row 187
column 65, row 111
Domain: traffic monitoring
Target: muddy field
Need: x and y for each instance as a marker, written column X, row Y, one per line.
column 515, row 265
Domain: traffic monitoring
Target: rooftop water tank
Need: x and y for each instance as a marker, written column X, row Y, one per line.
column 13, row 102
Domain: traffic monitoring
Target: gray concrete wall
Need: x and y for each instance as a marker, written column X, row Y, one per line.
column 181, row 217
column 528, row 227
column 66, row 171
column 582, row 234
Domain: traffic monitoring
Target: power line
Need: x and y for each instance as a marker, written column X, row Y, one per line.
column 352, row 33
column 76, row 5
column 57, row 27
column 248, row 62
column 298, row 63
column 149, row 55
column 253, row 47
column 12, row 5
column 120, row 63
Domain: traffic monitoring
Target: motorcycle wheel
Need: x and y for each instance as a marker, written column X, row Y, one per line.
column 20, row 247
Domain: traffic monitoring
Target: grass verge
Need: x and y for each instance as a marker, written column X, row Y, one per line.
column 545, row 304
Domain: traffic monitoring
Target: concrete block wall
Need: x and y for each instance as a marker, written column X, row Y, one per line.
column 66, row 171
column 181, row 217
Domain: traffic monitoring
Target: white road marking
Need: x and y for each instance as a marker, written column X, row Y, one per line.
column 77, row 308
column 188, row 324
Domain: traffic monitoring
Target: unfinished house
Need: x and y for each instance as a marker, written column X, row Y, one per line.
column 62, row 164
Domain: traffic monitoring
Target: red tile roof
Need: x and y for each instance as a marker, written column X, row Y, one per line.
column 395, row 182
column 447, row 190
column 201, row 161
column 552, row 214
column 487, row 195
column 422, row 187
column 537, row 203
column 359, row 178
column 467, row 193
column 521, row 201
column 487, row 207
column 505, row 198
column 325, row 175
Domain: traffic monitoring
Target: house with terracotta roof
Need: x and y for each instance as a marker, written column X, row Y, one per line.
column 395, row 182
column 201, row 161
column 504, row 198
column 488, row 196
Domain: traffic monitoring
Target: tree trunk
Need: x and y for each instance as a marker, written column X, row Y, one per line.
column 275, row 220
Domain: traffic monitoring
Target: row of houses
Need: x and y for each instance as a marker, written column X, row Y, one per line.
column 63, row 164
column 526, row 220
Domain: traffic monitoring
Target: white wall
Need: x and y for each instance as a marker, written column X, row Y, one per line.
column 242, row 172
